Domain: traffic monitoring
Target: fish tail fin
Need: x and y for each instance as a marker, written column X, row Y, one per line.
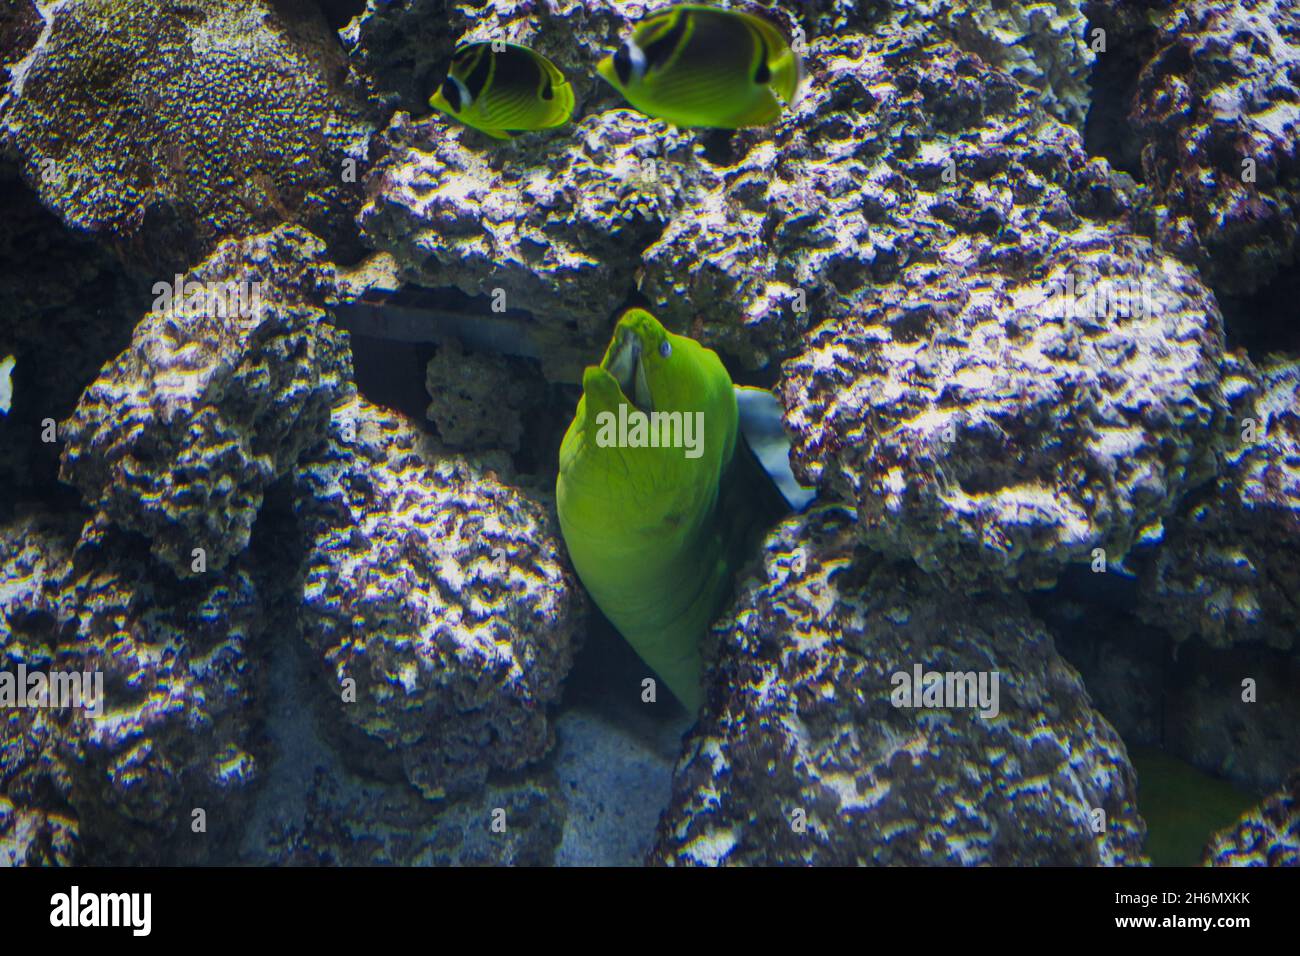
column 565, row 102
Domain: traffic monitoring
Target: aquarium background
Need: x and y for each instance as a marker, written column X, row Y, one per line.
column 287, row 357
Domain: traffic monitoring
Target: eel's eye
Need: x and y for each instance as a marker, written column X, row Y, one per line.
column 665, row 348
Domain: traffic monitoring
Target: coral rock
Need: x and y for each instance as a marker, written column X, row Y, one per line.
column 799, row 717
column 1044, row 46
column 1008, row 378
column 555, row 223
column 441, row 594
column 478, row 400
column 996, row 428
column 183, row 432
column 1269, row 835
column 178, row 682
column 1229, row 568
column 164, row 128
column 1218, row 112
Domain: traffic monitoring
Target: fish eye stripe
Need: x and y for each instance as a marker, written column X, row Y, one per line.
column 451, row 93
column 623, row 63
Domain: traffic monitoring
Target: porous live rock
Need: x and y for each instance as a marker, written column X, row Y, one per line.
column 438, row 596
column 1007, row 378
column 478, row 400
column 1218, row 113
column 801, row 756
column 20, row 28
column 1229, row 567
column 35, row 837
column 998, row 425
column 162, row 128
column 555, row 223
column 179, row 684
column 902, row 150
column 311, row 808
column 1268, row 835
column 37, row 825
column 1043, row 44
column 1130, row 30
column 400, row 48
column 214, row 399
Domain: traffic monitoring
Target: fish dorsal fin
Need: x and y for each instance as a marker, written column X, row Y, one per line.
column 660, row 48
column 760, row 424
column 477, row 77
column 784, row 70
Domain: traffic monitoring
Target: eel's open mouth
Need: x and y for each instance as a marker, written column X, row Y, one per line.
column 626, row 367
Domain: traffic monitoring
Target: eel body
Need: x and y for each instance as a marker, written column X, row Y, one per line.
column 640, row 512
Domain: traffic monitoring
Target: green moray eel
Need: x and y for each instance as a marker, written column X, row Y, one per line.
column 653, row 520
column 1182, row 806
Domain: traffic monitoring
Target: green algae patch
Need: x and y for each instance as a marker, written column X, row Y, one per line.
column 1182, row 806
